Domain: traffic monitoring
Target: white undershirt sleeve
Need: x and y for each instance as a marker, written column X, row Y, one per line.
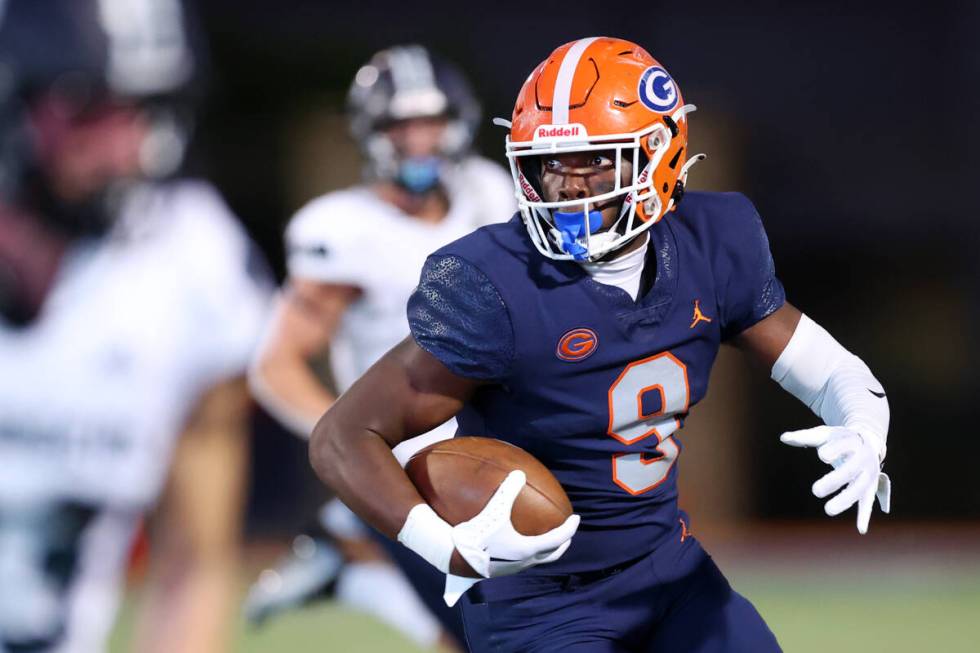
column 833, row 382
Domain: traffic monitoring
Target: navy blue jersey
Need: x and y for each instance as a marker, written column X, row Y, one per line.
column 592, row 383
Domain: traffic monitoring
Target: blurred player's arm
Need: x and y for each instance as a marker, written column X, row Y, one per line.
column 304, row 321
column 838, row 386
column 195, row 536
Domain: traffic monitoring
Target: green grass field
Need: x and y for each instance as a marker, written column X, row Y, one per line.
column 898, row 602
column 867, row 612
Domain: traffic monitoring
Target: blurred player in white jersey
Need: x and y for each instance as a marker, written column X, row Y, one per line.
column 354, row 257
column 130, row 303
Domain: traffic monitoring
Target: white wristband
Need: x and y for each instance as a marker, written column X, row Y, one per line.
column 429, row 535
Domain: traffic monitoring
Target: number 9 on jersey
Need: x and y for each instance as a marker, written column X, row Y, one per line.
column 666, row 375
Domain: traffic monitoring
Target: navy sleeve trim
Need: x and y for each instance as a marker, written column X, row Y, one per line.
column 753, row 291
column 773, row 298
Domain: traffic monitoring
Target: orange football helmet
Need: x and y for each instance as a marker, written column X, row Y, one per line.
column 600, row 94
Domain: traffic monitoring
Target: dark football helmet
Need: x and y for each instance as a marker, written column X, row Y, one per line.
column 88, row 53
column 401, row 83
column 64, row 66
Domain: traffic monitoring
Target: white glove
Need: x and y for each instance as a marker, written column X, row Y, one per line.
column 488, row 542
column 491, row 545
column 855, row 455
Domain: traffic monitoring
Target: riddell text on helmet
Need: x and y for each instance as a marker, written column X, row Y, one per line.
column 528, row 189
column 546, row 132
column 572, row 130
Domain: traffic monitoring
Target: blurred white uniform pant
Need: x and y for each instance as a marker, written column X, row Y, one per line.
column 381, row 590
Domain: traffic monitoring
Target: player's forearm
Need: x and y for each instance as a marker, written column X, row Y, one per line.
column 358, row 465
column 288, row 390
column 406, row 393
column 351, row 446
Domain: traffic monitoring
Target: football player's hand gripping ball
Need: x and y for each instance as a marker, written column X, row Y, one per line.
column 493, row 547
column 855, row 456
column 488, row 542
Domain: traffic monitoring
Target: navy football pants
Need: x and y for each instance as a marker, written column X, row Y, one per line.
column 674, row 600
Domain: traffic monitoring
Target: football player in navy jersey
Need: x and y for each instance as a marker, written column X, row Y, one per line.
column 583, row 331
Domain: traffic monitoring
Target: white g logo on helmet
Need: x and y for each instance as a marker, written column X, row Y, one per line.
column 657, row 90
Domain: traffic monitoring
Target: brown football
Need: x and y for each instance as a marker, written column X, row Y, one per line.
column 458, row 476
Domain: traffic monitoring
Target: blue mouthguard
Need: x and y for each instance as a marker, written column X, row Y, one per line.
column 572, row 227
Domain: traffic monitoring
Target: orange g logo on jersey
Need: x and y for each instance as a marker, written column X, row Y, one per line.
column 577, row 344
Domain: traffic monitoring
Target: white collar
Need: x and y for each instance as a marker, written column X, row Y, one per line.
column 623, row 271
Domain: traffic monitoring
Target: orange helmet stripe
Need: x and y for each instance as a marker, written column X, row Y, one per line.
column 563, row 82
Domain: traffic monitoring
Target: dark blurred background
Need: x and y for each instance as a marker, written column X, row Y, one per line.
column 852, row 128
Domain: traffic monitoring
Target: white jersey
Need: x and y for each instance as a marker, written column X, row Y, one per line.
column 355, row 238
column 93, row 395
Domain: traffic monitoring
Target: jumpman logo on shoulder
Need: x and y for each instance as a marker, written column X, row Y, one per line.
column 698, row 315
